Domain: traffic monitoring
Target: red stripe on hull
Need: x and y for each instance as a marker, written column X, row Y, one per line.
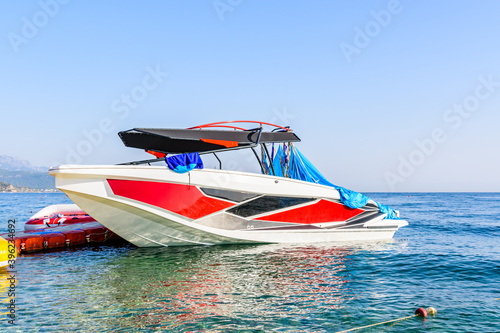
column 182, row 199
column 322, row 211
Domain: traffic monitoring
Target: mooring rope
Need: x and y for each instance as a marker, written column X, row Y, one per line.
column 385, row 322
column 418, row 313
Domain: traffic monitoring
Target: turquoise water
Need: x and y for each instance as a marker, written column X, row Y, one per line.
column 448, row 258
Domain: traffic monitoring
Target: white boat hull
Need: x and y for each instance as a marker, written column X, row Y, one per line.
column 154, row 206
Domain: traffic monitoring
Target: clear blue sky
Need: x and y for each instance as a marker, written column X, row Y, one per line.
column 361, row 82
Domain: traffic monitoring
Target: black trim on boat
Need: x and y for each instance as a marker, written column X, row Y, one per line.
column 368, row 214
column 235, row 196
column 293, row 227
column 179, row 141
column 358, row 223
column 266, row 204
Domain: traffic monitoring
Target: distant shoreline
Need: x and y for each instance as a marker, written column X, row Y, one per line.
column 30, row 191
column 9, row 188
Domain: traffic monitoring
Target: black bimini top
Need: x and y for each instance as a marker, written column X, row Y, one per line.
column 180, row 141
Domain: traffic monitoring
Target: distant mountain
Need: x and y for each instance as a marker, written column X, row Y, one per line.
column 14, row 164
column 30, row 179
column 21, row 173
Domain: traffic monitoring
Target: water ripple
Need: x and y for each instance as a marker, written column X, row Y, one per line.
column 447, row 257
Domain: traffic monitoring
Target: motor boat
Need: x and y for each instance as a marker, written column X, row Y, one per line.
column 180, row 202
column 57, row 215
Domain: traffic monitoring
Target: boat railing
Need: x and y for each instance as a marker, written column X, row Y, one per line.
column 224, row 124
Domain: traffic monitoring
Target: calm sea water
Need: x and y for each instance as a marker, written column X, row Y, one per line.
column 448, row 258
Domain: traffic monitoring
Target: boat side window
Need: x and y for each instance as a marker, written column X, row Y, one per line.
column 266, row 204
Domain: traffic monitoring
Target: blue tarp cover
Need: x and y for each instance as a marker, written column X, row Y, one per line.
column 184, row 162
column 300, row 168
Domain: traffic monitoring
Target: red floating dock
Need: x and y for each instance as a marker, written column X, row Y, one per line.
column 75, row 237
column 30, row 243
column 62, row 236
column 96, row 234
column 53, row 241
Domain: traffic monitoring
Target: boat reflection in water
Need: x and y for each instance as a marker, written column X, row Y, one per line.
column 226, row 287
